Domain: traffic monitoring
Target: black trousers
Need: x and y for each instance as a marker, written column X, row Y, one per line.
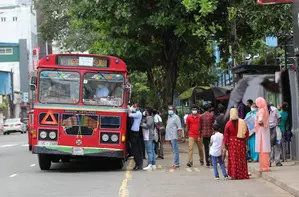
column 136, row 148
column 206, row 144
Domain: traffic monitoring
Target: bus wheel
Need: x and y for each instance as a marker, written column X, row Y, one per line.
column 30, row 147
column 44, row 162
column 119, row 164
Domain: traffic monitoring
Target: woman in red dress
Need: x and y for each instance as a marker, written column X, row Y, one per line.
column 235, row 135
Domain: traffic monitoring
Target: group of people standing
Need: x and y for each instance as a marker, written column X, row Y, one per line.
column 242, row 136
column 277, row 122
column 144, row 135
column 257, row 137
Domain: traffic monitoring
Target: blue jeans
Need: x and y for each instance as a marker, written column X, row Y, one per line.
column 216, row 160
column 150, row 149
column 175, row 150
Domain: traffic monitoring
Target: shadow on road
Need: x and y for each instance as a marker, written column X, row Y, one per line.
column 85, row 165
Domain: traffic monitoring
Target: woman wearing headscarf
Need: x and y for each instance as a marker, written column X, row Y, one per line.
column 262, row 142
column 235, row 135
column 250, row 120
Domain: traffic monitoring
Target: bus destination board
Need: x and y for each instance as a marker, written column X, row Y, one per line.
column 88, row 61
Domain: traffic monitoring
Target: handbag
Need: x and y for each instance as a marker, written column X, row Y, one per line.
column 273, row 136
column 288, row 135
column 156, row 136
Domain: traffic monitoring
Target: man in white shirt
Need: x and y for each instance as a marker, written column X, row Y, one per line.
column 135, row 138
column 216, row 151
column 158, row 125
column 274, row 119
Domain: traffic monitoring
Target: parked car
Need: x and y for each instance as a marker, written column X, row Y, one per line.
column 13, row 126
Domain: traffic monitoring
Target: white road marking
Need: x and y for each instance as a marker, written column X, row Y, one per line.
column 7, row 145
column 188, row 170
column 25, row 145
column 13, row 175
column 32, row 165
column 196, row 169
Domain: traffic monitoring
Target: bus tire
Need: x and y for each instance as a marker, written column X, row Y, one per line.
column 119, row 164
column 30, row 147
column 44, row 162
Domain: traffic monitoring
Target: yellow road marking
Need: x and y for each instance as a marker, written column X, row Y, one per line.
column 196, row 169
column 123, row 190
column 171, row 170
column 159, row 166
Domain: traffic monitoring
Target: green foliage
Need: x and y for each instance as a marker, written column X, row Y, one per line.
column 149, row 36
column 168, row 43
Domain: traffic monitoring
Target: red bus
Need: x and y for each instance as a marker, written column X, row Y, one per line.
column 80, row 108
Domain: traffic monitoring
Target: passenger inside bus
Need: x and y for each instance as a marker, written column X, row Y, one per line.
column 102, row 90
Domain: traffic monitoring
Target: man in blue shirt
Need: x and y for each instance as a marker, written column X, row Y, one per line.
column 135, row 138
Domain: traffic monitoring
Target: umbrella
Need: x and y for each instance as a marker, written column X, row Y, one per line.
column 211, row 93
column 240, row 89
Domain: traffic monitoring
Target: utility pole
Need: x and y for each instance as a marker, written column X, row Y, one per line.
column 233, row 48
column 12, row 106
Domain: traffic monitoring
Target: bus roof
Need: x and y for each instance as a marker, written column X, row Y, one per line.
column 83, row 61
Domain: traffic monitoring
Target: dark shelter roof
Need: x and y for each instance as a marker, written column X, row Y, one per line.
column 255, row 69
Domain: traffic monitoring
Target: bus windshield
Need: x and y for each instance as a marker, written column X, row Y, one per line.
column 59, row 87
column 103, row 89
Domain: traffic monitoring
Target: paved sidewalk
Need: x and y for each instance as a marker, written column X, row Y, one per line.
column 285, row 177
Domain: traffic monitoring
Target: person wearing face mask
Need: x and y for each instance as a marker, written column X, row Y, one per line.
column 207, row 120
column 148, row 130
column 235, row 135
column 172, row 128
column 192, row 129
column 250, row 119
column 135, row 138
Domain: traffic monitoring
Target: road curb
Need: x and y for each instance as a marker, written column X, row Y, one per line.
column 266, row 176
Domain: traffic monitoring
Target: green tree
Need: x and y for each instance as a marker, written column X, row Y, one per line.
column 244, row 24
column 150, row 35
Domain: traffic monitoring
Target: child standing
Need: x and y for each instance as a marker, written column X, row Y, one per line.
column 216, row 151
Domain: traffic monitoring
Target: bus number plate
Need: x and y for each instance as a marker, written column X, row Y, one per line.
column 78, row 151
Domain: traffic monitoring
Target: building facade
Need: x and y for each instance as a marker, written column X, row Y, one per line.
column 18, row 19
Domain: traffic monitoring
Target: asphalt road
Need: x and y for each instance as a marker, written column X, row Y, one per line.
column 20, row 176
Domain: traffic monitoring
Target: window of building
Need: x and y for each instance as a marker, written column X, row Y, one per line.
column 3, row 19
column 6, row 51
column 15, row 18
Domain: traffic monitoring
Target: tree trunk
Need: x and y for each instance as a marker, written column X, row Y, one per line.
column 169, row 83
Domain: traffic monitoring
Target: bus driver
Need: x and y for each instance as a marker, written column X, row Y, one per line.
column 102, row 90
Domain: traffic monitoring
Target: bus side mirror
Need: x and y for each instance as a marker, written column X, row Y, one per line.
column 32, row 87
column 33, row 80
column 33, row 83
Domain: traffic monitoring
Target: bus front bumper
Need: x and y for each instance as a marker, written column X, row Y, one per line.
column 85, row 151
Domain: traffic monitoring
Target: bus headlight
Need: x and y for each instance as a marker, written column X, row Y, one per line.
column 43, row 134
column 52, row 135
column 114, row 138
column 105, row 137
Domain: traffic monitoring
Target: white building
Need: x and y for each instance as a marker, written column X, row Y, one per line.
column 18, row 21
